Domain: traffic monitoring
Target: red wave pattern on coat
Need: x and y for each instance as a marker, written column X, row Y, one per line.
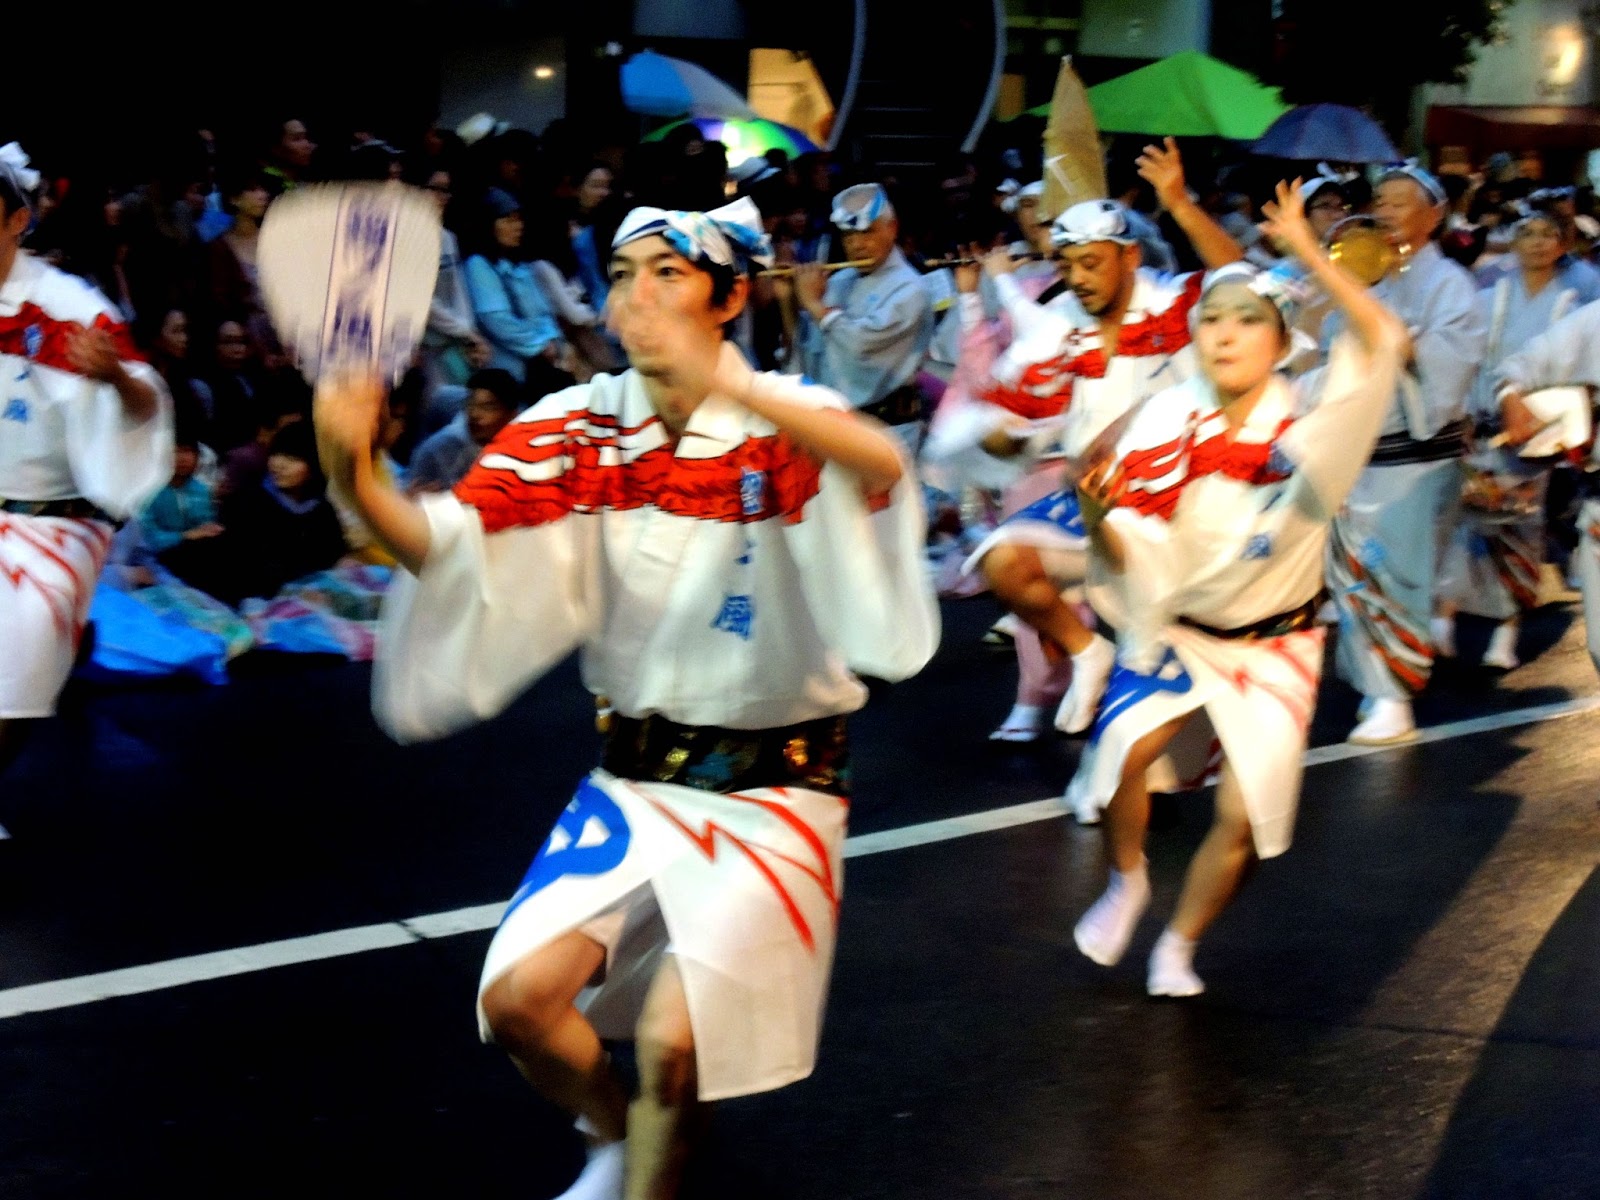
column 596, row 474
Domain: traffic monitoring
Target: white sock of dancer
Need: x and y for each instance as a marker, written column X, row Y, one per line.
column 1091, row 669
column 1103, row 933
column 1022, row 725
column 1502, row 651
column 1172, row 966
column 601, row 1177
column 1444, row 636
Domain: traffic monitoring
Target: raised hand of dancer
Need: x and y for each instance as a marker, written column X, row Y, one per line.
column 1285, row 222
column 1162, row 168
column 346, row 411
column 348, row 414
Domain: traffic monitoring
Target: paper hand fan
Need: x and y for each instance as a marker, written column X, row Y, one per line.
column 347, row 273
column 1564, row 417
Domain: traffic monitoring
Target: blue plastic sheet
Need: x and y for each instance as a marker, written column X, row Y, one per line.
column 132, row 639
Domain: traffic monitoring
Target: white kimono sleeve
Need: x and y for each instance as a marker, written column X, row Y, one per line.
column 487, row 616
column 1331, row 444
column 863, row 566
column 1566, row 353
column 118, row 462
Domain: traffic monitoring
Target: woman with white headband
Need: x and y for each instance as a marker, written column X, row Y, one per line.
column 727, row 548
column 85, row 442
column 1208, row 523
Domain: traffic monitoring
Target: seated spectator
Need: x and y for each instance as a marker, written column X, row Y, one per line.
column 181, row 511
column 507, row 301
column 440, row 462
column 234, row 290
column 555, row 267
column 451, row 344
column 278, row 531
column 169, row 354
column 238, row 400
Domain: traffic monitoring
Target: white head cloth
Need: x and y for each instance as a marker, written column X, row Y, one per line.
column 14, row 166
column 1093, row 221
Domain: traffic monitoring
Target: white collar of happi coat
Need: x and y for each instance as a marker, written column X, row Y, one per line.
column 18, row 287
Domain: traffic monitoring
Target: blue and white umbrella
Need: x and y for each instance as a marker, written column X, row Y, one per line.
column 658, row 86
column 1330, row 132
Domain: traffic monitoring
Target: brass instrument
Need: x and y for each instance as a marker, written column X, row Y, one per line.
column 1360, row 247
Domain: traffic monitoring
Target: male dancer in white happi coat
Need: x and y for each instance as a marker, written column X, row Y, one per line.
column 85, row 441
column 726, row 548
column 1073, row 367
column 1209, row 522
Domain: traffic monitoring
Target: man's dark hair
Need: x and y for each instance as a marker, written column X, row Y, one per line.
column 500, row 384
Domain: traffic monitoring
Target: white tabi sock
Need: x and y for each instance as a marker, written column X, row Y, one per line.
column 1444, row 636
column 1103, row 933
column 601, row 1177
column 1091, row 669
column 1022, row 725
column 1502, row 651
column 1172, row 966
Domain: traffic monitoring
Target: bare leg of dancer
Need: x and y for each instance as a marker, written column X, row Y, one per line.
column 531, row 1013
column 1017, row 576
column 666, row 1113
column 1218, row 870
column 1106, row 929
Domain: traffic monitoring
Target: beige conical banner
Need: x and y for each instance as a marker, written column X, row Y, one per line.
column 1074, row 168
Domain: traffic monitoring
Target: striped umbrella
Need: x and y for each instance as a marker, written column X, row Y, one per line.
column 745, row 139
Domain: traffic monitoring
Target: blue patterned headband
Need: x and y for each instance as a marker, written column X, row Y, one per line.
column 856, row 208
column 730, row 236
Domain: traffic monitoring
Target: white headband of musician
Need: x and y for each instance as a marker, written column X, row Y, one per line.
column 1093, row 221
column 1015, row 197
column 856, row 208
column 1423, row 179
column 730, row 236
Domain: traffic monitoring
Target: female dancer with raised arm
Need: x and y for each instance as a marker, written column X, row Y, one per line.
column 1207, row 526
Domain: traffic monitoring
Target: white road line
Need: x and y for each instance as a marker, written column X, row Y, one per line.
column 154, row 977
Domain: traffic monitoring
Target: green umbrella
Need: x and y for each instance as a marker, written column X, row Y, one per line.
column 745, row 139
column 1188, row 95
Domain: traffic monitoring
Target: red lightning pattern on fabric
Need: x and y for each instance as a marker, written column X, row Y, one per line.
column 706, row 843
column 1143, row 470
column 55, row 336
column 68, row 598
column 707, row 489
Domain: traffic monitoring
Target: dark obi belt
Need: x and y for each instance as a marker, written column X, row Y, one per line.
column 1277, row 625
column 813, row 754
